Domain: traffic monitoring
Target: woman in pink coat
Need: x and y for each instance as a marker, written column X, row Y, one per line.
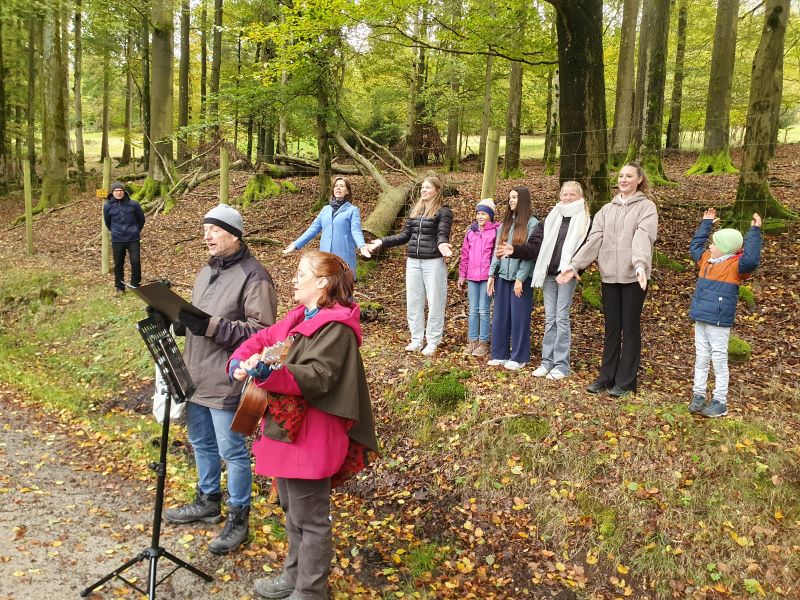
column 318, row 429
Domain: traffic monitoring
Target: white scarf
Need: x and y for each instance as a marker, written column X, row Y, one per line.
column 578, row 226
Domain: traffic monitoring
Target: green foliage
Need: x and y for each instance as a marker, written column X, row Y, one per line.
column 533, row 428
column 739, row 351
column 771, row 226
column 746, row 295
column 290, row 187
column 662, row 260
column 442, row 389
column 590, row 290
column 259, row 187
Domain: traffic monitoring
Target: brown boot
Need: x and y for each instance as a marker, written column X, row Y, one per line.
column 481, row 349
column 469, row 349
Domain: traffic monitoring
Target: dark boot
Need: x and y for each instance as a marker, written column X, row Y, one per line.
column 206, row 508
column 235, row 532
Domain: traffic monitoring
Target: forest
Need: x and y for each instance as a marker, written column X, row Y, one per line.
column 490, row 483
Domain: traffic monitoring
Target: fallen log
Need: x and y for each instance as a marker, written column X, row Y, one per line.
column 310, row 164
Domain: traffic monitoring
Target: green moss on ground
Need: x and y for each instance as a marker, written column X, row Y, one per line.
column 739, row 351
column 662, row 260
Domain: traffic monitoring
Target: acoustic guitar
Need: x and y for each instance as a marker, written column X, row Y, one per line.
column 253, row 401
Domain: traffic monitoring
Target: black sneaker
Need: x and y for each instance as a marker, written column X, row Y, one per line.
column 620, row 392
column 697, row 404
column 274, row 587
column 714, row 410
column 205, row 508
column 235, row 532
column 596, row 387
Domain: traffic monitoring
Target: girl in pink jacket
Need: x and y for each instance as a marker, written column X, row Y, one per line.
column 476, row 256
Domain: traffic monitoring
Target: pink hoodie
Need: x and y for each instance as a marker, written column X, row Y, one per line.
column 476, row 252
column 322, row 442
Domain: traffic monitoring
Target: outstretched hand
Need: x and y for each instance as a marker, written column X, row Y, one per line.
column 446, row 249
column 372, row 246
column 711, row 213
column 504, row 250
column 289, row 249
column 756, row 222
column 365, row 251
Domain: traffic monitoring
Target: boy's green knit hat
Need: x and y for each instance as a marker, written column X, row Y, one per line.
column 728, row 241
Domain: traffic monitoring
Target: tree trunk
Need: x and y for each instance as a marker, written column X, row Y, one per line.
column 64, row 18
column 486, row 117
column 511, row 166
column 584, row 146
column 324, row 110
column 715, row 156
column 651, row 150
column 642, row 66
column 106, row 101
column 451, row 151
column 203, row 68
column 623, row 103
column 5, row 149
column 415, row 153
column 216, row 64
column 753, row 193
column 146, row 120
column 674, row 123
column 31, row 109
column 238, row 83
column 282, row 148
column 553, row 121
column 127, row 152
column 159, row 176
column 183, row 83
column 54, row 125
column 80, row 152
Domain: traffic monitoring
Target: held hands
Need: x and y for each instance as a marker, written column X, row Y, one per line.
column 504, row 250
column 372, row 246
column 756, row 222
column 711, row 213
column 365, row 251
column 565, row 276
column 289, row 249
column 446, row 249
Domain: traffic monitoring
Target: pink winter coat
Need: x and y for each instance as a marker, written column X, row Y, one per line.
column 476, row 252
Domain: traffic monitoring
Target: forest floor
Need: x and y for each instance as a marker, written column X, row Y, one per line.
column 525, row 489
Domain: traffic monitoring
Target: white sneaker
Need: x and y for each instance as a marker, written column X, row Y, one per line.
column 513, row 365
column 429, row 349
column 414, row 347
column 541, row 371
column 496, row 362
column 556, row 374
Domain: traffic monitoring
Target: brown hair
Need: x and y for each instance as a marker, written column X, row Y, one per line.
column 337, row 272
column 432, row 206
column 644, row 184
column 520, row 215
column 346, row 184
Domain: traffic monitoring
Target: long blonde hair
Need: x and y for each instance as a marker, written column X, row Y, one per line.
column 432, row 206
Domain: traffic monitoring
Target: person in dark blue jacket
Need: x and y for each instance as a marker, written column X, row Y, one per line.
column 125, row 220
column 729, row 260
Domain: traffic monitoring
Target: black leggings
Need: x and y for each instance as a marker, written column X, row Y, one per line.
column 622, row 345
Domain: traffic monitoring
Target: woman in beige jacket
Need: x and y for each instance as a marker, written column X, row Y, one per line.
column 621, row 241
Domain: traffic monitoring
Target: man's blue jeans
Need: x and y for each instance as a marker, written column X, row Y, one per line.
column 211, row 437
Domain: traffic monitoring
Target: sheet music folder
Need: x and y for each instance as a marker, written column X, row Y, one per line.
column 164, row 300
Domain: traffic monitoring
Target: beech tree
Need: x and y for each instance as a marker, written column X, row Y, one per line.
column 674, row 124
column 753, row 193
column 623, row 103
column 715, row 156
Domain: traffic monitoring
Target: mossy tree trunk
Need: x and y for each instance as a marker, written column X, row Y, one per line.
column 584, row 146
column 146, row 119
column 674, row 123
column 80, row 155
column 511, row 165
column 551, row 134
column 753, row 193
column 651, row 151
column 623, row 103
column 715, row 156
column 183, row 82
column 54, row 115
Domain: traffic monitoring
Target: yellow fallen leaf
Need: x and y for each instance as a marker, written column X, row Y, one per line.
column 622, row 569
column 591, row 559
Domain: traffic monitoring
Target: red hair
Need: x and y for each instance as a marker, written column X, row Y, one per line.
column 339, row 289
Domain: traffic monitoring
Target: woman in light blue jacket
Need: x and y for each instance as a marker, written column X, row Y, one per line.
column 340, row 224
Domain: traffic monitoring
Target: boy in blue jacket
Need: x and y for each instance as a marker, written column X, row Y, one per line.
column 729, row 260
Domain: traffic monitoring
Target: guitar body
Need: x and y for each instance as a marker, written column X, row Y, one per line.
column 252, row 406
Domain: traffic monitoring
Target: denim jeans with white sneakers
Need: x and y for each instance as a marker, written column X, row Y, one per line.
column 557, row 333
column 426, row 281
column 711, row 346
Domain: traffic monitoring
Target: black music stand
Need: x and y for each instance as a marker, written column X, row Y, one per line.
column 169, row 360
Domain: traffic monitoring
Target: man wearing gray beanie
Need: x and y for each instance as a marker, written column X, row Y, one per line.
column 238, row 293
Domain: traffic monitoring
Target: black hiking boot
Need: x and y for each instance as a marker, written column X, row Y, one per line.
column 206, row 508
column 235, row 532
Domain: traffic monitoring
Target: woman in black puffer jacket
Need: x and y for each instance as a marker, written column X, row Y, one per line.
column 427, row 234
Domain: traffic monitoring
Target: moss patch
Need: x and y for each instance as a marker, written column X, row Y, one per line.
column 662, row 260
column 590, row 290
column 739, row 351
column 443, row 390
column 746, row 296
column 259, row 188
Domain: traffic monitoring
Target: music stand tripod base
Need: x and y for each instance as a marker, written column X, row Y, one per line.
column 168, row 358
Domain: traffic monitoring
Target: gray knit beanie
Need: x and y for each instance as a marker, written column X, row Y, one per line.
column 227, row 218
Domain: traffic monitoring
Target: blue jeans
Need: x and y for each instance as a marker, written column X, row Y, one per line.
column 211, row 437
column 426, row 281
column 557, row 334
column 479, row 304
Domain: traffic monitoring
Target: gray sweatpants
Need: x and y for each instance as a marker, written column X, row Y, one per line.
column 711, row 346
column 307, row 504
